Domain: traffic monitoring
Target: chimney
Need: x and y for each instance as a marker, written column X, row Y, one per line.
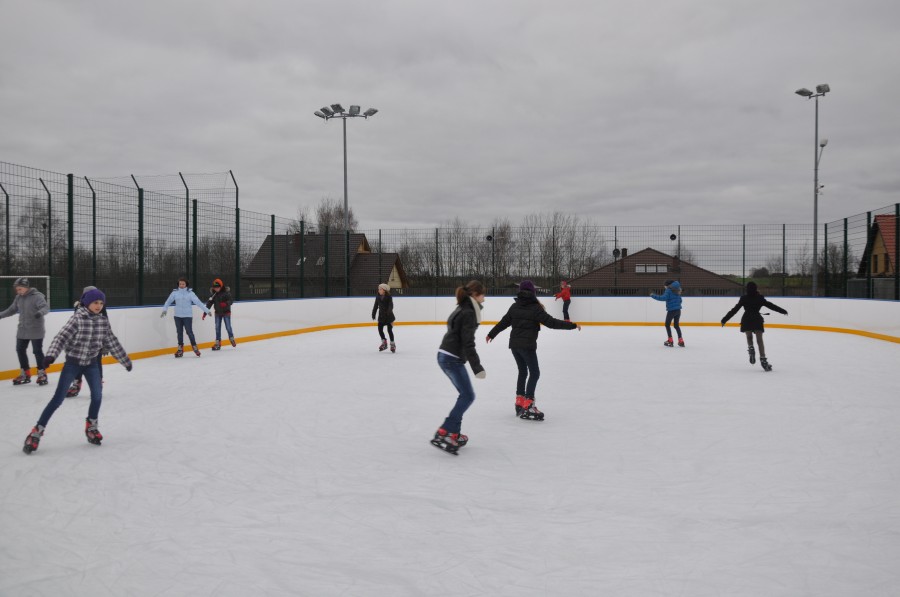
column 622, row 260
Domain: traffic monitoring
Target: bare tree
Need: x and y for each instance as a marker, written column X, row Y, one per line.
column 330, row 214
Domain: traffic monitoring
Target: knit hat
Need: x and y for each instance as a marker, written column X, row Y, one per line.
column 218, row 282
column 23, row 282
column 92, row 295
column 527, row 285
column 384, row 287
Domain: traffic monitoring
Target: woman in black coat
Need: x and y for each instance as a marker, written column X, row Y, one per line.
column 526, row 316
column 384, row 307
column 752, row 321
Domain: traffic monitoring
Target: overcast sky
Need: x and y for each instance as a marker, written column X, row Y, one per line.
column 626, row 113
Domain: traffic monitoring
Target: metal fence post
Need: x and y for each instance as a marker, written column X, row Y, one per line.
column 327, row 265
column 437, row 262
column 272, row 260
column 869, row 261
column 846, row 257
column 7, row 231
column 380, row 249
column 825, row 257
column 194, row 247
column 187, row 224
column 237, row 239
column 347, row 261
column 302, row 257
column 70, row 196
column 140, row 291
column 93, row 232
column 744, row 255
column 49, row 234
column 783, row 258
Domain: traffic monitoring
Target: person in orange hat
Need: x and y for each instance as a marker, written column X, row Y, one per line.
column 221, row 301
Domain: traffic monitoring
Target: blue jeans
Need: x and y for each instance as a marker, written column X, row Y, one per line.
column 70, row 371
column 227, row 319
column 455, row 369
column 183, row 324
column 673, row 316
column 566, row 309
column 37, row 346
column 527, row 361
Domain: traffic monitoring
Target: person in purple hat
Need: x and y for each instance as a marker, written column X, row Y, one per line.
column 525, row 317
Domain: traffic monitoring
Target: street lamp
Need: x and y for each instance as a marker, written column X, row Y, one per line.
column 818, row 148
column 337, row 111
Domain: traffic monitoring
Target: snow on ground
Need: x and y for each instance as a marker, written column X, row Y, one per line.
column 301, row 466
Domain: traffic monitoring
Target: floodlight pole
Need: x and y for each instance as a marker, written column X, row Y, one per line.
column 821, row 90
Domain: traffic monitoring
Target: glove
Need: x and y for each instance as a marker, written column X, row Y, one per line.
column 162, row 315
column 37, row 315
column 47, row 362
column 481, row 374
column 204, row 317
column 128, row 367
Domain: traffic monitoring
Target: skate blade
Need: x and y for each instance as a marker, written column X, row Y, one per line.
column 94, row 441
column 444, row 447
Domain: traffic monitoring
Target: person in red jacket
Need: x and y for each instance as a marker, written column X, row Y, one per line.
column 221, row 302
column 565, row 294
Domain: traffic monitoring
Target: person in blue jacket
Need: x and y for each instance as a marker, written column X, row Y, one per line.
column 672, row 296
column 184, row 299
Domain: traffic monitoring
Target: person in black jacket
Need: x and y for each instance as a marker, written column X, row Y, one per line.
column 220, row 299
column 384, row 306
column 457, row 348
column 752, row 321
column 526, row 316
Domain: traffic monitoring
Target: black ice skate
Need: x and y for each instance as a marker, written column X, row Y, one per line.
column 23, row 378
column 91, row 431
column 383, row 346
column 765, row 364
column 74, row 389
column 41, row 377
column 233, row 343
column 681, row 342
column 393, row 347
column 180, row 352
column 195, row 349
column 33, row 439
column 668, row 342
column 530, row 412
column 752, row 352
column 448, row 442
column 217, row 345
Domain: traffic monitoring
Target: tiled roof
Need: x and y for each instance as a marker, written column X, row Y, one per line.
column 288, row 249
column 887, row 226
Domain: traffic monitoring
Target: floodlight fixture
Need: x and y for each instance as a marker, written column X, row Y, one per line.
column 338, row 109
column 804, row 92
column 823, row 142
column 327, row 111
column 370, row 112
column 823, row 88
column 354, row 110
column 320, row 115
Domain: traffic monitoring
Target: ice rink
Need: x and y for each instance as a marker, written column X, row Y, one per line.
column 301, row 466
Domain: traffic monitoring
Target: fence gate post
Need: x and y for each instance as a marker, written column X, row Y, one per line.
column 70, row 196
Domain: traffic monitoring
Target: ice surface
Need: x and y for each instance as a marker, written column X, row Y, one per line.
column 301, row 466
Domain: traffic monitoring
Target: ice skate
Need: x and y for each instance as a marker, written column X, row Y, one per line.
column 91, row 431
column 195, row 349
column 383, row 346
column 448, row 442
column 23, row 378
column 180, row 352
column 765, row 364
column 752, row 352
column 393, row 347
column 681, row 342
column 74, row 389
column 33, row 439
column 233, row 343
column 41, row 377
column 530, row 412
column 217, row 345
column 668, row 342
column 520, row 401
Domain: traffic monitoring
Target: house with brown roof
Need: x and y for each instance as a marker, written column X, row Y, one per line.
column 880, row 257
column 646, row 271
column 288, row 265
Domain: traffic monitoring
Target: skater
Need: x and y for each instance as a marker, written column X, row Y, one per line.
column 526, row 316
column 221, row 302
column 565, row 294
column 752, row 321
column 384, row 306
column 457, row 348
column 75, row 388
column 32, row 307
column 672, row 296
column 184, row 298
column 83, row 338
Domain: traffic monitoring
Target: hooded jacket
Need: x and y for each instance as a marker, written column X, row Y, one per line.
column 671, row 296
column 183, row 299
column 526, row 316
column 460, row 337
column 220, row 300
column 31, row 307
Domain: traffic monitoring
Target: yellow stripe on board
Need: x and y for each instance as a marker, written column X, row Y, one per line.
column 321, row 328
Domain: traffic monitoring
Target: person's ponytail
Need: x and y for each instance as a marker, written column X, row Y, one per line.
column 464, row 292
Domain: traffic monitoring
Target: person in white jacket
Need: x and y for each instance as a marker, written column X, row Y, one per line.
column 184, row 299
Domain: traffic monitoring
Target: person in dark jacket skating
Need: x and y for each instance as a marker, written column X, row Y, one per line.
column 32, row 308
column 457, row 348
column 526, row 316
column 384, row 307
column 221, row 302
column 672, row 297
column 752, row 321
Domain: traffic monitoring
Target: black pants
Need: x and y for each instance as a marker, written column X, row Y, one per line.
column 390, row 329
column 673, row 316
column 566, row 309
column 37, row 346
column 529, row 371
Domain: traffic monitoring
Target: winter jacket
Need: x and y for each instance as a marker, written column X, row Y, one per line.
column 31, row 307
column 221, row 301
column 526, row 316
column 183, row 299
column 752, row 321
column 460, row 337
column 84, row 337
column 384, row 305
column 671, row 296
column 565, row 294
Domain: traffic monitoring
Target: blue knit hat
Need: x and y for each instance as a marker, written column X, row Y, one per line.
column 93, row 295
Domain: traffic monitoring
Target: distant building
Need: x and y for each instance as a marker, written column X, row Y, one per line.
column 880, row 257
column 322, row 265
column 646, row 271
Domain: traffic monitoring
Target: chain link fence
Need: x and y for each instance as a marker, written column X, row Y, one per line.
column 135, row 240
